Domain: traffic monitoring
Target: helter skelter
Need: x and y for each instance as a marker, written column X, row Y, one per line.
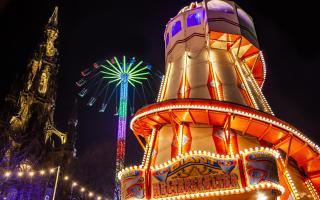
column 212, row 134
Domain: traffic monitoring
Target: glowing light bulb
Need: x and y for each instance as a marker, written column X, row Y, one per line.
column 7, row 174
column 262, row 196
column 31, row 174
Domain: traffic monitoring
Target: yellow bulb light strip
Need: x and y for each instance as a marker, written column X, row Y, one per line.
column 165, row 84
column 264, row 68
column 312, row 189
column 256, row 88
column 251, row 188
column 231, row 111
column 48, row 172
column 160, row 94
column 150, row 148
column 264, row 185
column 273, row 152
column 290, row 181
column 146, row 152
column 244, row 80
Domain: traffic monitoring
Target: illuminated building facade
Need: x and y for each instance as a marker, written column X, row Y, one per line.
column 29, row 139
column 212, row 134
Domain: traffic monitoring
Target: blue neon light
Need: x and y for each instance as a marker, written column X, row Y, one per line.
column 176, row 28
column 167, row 39
column 194, row 19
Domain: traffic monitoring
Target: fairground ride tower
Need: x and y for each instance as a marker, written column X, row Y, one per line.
column 212, row 134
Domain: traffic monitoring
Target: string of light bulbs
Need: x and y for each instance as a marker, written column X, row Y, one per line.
column 48, row 172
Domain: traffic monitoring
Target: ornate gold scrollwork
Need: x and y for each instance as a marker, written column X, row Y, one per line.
column 18, row 120
column 52, row 130
column 44, row 79
column 34, row 68
column 52, row 35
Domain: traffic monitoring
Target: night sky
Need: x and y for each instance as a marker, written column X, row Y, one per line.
column 94, row 30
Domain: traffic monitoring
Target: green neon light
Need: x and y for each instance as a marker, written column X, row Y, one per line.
column 133, row 85
column 124, row 64
column 135, row 67
column 136, row 81
column 139, row 70
column 107, row 68
column 113, row 66
column 118, row 64
column 109, row 73
column 140, row 74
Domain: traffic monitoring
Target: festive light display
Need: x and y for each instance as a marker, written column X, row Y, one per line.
column 196, row 156
column 49, row 172
column 212, row 132
column 200, row 154
column 113, row 73
column 312, row 189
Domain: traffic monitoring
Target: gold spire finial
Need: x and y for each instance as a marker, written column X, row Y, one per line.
column 54, row 17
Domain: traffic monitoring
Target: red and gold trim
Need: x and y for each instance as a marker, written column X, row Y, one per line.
column 244, row 119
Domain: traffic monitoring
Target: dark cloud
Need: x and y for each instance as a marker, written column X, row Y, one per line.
column 3, row 4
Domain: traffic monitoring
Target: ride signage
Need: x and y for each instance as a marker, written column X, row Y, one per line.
column 196, row 174
column 192, row 174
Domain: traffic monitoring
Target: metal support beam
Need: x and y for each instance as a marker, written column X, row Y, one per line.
column 175, row 118
column 173, row 124
column 235, row 42
column 226, row 121
column 308, row 160
column 209, row 121
column 164, row 119
column 298, row 149
column 147, row 117
column 192, row 118
column 248, row 125
column 314, row 174
column 151, row 146
column 239, row 47
column 281, row 142
column 255, row 62
column 226, row 128
column 140, row 142
column 265, row 132
column 288, row 151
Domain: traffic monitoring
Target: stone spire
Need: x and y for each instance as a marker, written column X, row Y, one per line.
column 53, row 20
column 31, row 125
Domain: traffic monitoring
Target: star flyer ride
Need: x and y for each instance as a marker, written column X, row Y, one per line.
column 212, row 134
column 112, row 74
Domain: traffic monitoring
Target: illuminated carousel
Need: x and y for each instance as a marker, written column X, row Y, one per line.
column 212, row 134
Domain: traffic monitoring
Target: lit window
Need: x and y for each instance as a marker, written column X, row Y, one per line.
column 167, row 39
column 176, row 28
column 194, row 19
